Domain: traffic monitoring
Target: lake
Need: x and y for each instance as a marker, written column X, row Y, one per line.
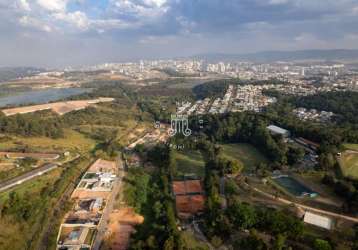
column 294, row 187
column 40, row 96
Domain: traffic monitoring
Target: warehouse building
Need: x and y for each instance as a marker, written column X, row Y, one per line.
column 318, row 220
column 278, row 131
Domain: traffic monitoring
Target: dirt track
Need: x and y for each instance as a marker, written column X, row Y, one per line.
column 304, row 207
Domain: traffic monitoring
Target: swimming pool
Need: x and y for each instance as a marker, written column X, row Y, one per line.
column 294, row 187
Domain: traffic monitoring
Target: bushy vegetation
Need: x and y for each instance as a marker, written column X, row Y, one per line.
column 35, row 209
column 221, row 223
column 136, row 188
column 38, row 124
column 159, row 230
column 246, row 128
column 344, row 104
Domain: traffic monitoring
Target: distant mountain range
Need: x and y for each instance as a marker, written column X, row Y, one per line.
column 299, row 55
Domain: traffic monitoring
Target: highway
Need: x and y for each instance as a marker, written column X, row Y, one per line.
column 28, row 176
column 34, row 173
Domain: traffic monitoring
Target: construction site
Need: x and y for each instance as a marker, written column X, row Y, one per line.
column 80, row 226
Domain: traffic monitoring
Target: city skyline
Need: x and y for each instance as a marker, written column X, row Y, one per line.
column 57, row 33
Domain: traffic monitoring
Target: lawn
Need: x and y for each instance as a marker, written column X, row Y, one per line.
column 349, row 164
column 248, row 155
column 190, row 162
column 350, row 146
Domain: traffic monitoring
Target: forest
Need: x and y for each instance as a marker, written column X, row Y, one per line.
column 344, row 104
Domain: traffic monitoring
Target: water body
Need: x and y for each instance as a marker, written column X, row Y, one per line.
column 294, row 187
column 40, row 96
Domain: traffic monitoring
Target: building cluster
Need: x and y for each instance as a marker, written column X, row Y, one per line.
column 336, row 76
column 313, row 115
column 251, row 98
column 236, row 99
column 222, row 105
column 79, row 227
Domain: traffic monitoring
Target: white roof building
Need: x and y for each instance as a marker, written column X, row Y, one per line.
column 277, row 130
column 318, row 220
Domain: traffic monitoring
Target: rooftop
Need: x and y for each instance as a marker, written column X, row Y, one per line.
column 277, row 130
column 318, row 220
column 187, row 187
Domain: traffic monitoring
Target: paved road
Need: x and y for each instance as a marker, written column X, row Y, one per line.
column 34, row 173
column 103, row 224
column 28, row 176
column 340, row 216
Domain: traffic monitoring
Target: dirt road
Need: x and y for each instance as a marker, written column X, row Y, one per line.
column 304, row 207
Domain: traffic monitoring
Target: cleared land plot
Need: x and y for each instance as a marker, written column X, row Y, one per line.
column 248, row 155
column 190, row 162
column 57, row 107
column 121, row 226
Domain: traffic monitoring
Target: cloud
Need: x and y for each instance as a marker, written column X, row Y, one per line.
column 31, row 22
column 135, row 9
column 23, row 5
column 78, row 19
column 278, row 2
column 171, row 27
column 53, row 5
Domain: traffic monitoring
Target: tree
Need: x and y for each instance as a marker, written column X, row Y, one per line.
column 242, row 215
column 279, row 242
column 321, row 245
column 253, row 242
column 294, row 155
column 28, row 162
column 326, row 161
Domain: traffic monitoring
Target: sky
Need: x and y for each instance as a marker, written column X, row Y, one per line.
column 58, row 33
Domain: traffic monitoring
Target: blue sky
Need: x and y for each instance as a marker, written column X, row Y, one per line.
column 76, row 32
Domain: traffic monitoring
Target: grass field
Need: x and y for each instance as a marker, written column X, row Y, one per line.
column 72, row 141
column 350, row 146
column 248, row 155
column 190, row 162
column 348, row 161
column 349, row 164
